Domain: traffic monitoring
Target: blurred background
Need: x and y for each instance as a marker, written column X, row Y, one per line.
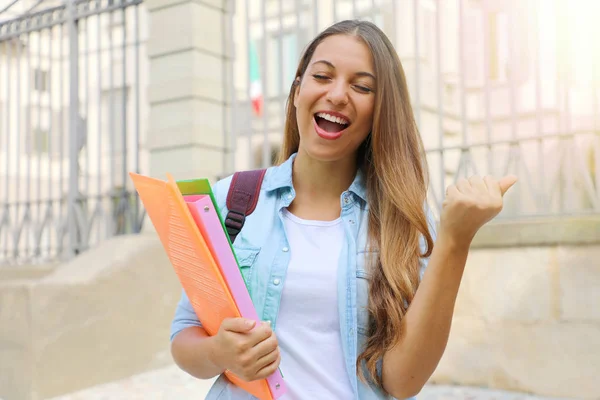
column 93, row 89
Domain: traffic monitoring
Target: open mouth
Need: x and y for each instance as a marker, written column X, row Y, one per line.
column 330, row 125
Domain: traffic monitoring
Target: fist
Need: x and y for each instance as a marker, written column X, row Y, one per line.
column 470, row 204
column 247, row 349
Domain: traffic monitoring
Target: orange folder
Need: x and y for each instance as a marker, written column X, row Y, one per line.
column 193, row 262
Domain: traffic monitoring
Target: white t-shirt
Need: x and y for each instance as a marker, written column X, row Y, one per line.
column 308, row 328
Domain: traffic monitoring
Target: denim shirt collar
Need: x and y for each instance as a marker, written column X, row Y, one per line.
column 280, row 177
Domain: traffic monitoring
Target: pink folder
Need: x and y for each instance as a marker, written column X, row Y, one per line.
column 207, row 220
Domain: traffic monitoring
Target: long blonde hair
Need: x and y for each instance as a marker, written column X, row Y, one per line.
column 392, row 158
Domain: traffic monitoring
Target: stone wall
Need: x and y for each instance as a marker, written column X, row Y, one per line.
column 101, row 317
column 527, row 317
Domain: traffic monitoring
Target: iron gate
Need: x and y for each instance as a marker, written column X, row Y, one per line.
column 497, row 86
column 69, row 125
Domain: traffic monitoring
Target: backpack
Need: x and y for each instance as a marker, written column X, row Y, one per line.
column 242, row 198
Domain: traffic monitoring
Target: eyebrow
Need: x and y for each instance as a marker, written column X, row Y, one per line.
column 329, row 64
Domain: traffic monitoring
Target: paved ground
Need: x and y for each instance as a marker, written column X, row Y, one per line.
column 171, row 384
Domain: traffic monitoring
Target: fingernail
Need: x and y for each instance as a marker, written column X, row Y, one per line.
column 249, row 323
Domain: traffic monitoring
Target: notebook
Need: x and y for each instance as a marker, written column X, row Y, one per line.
column 195, row 266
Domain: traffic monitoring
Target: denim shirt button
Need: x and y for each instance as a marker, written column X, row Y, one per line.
column 285, row 249
column 276, row 281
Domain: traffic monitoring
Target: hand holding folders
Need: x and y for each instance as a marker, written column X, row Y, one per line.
column 246, row 348
column 192, row 233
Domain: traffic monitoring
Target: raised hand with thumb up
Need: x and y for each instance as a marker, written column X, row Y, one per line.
column 470, row 204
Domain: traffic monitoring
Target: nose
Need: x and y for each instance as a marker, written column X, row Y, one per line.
column 338, row 94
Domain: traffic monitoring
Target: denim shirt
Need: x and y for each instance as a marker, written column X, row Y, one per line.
column 263, row 254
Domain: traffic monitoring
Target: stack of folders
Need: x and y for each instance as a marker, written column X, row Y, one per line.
column 193, row 235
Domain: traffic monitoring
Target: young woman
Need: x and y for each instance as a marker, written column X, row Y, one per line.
column 339, row 241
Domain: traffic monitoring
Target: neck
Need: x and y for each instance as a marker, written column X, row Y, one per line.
column 321, row 180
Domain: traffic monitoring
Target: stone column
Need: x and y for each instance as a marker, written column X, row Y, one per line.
column 187, row 91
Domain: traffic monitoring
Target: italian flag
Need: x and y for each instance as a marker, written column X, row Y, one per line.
column 256, row 94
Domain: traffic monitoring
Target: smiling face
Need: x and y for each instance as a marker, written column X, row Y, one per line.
column 335, row 99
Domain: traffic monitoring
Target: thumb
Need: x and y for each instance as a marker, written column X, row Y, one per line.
column 506, row 183
column 239, row 325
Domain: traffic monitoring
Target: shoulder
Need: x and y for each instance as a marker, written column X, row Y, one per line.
column 222, row 187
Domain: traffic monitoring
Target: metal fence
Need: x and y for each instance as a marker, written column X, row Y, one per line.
column 69, row 125
column 496, row 86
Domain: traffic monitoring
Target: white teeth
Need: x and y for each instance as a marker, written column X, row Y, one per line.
column 331, row 118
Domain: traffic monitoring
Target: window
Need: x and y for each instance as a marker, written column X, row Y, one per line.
column 112, row 119
column 38, row 131
column 45, row 136
column 282, row 66
column 504, row 63
column 40, row 141
column 40, row 80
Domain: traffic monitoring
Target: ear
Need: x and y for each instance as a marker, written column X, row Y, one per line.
column 296, row 89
